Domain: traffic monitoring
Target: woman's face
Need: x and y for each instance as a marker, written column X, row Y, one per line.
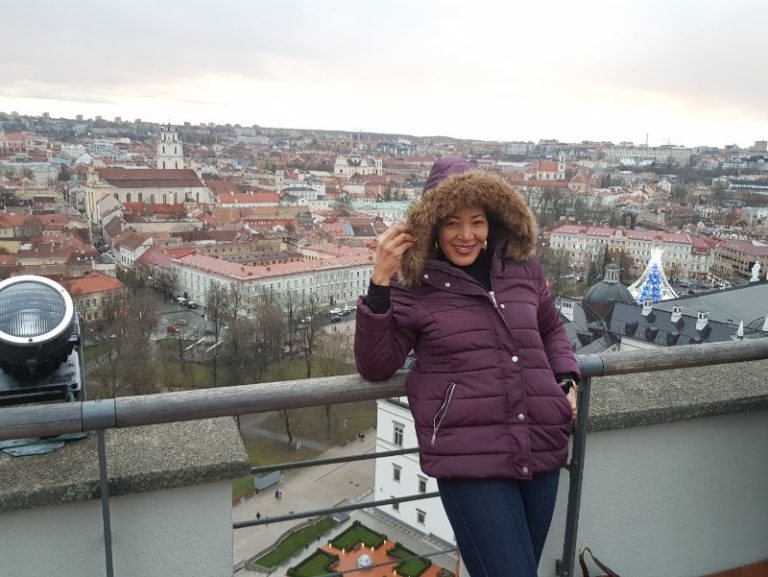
column 462, row 234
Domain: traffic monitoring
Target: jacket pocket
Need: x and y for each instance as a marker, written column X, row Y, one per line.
column 437, row 421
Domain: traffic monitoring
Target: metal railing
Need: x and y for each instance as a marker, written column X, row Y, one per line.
column 97, row 415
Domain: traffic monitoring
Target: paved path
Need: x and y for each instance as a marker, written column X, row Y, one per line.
column 304, row 489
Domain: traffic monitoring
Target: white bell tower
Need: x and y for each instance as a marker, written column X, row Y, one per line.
column 170, row 150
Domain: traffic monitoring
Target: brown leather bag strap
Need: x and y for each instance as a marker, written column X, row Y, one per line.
column 585, row 572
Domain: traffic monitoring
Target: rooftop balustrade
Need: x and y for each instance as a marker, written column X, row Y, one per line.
column 667, row 474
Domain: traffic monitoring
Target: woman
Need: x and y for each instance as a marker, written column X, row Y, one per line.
column 493, row 388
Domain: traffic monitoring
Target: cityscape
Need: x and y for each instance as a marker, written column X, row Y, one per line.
column 202, row 256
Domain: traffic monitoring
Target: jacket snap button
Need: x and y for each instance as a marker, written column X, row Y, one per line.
column 515, row 359
column 502, row 305
column 521, row 417
column 426, row 276
column 447, row 285
column 525, row 470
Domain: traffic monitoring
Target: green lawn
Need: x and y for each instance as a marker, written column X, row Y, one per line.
column 346, row 421
column 242, row 486
column 319, row 563
column 295, row 542
column 412, row 567
column 358, row 533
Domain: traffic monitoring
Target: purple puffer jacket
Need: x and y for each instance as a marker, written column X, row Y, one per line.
column 482, row 391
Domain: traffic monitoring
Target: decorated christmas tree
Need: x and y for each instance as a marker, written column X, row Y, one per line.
column 652, row 286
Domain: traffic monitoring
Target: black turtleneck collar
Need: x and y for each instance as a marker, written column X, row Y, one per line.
column 480, row 270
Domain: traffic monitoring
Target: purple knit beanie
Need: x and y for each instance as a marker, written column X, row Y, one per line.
column 444, row 167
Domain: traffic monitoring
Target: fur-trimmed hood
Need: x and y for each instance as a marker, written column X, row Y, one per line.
column 510, row 219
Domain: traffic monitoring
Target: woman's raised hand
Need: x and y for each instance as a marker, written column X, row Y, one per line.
column 389, row 250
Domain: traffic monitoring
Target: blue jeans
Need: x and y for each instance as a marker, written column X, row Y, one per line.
column 500, row 525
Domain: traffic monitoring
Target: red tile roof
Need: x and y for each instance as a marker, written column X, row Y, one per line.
column 161, row 257
column 222, row 186
column 133, row 240
column 150, row 178
column 249, row 197
column 92, row 283
column 747, row 247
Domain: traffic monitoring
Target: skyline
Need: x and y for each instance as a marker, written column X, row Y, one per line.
column 599, row 70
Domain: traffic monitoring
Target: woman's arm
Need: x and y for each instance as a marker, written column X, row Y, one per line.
column 383, row 339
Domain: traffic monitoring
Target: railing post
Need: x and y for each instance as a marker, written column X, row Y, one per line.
column 104, row 488
column 591, row 365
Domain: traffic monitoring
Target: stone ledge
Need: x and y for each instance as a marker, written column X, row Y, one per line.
column 139, row 459
column 624, row 401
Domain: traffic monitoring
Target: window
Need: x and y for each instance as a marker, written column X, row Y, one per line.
column 397, row 434
column 421, row 516
column 395, row 506
column 422, row 484
column 396, row 472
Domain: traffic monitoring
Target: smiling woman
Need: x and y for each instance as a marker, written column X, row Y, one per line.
column 462, row 235
column 459, row 284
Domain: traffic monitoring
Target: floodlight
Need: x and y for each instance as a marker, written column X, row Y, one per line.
column 39, row 331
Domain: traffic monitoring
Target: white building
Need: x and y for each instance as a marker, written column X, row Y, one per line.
column 334, row 278
column 308, row 191
column 688, row 256
column 662, row 154
column 147, row 185
column 401, row 476
column 170, row 150
column 346, row 166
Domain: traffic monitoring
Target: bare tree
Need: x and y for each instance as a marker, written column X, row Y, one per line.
column 271, row 335
column 343, row 205
column 280, row 375
column 129, row 322
column 216, row 314
column 556, row 264
column 334, row 357
column 239, row 329
column 292, row 318
column 167, row 281
column 308, row 329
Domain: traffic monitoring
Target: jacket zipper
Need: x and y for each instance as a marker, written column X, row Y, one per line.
column 442, row 411
column 493, row 299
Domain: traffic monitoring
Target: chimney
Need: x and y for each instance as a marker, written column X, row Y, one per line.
column 702, row 320
column 566, row 309
column 647, row 308
column 677, row 313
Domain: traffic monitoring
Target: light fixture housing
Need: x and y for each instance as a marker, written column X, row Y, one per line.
column 38, row 326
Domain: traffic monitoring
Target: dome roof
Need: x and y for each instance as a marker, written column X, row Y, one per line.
column 609, row 290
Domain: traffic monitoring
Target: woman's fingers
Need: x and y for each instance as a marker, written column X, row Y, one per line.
column 572, row 400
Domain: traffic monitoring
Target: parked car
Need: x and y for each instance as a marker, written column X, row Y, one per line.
column 347, row 310
column 336, row 318
column 172, row 330
column 192, row 304
column 181, row 300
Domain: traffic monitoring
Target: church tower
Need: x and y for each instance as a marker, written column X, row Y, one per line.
column 170, row 151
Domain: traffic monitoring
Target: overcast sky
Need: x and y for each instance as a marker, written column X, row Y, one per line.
column 690, row 72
